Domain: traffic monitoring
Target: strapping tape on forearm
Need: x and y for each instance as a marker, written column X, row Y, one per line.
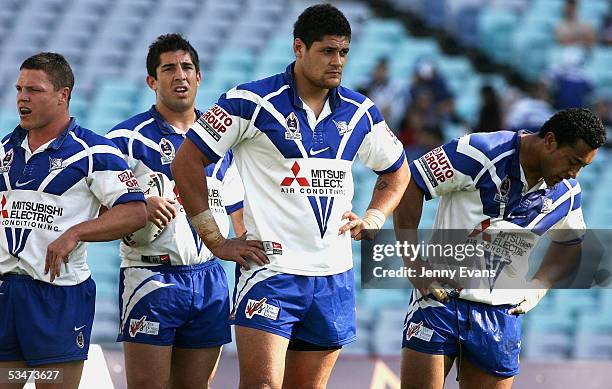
column 205, row 225
column 374, row 219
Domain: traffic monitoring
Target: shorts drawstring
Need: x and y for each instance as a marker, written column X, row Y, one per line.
column 469, row 328
column 458, row 339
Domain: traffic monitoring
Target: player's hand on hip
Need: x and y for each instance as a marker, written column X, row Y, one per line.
column 531, row 299
column 58, row 251
column 355, row 225
column 441, row 288
column 431, row 287
column 160, row 210
column 241, row 251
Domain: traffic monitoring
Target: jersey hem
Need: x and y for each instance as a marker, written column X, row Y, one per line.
column 304, row 272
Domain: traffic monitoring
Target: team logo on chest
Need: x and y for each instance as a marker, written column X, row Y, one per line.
column 547, row 205
column 5, row 165
column 166, row 149
column 504, row 190
column 342, row 127
column 293, row 127
column 55, row 164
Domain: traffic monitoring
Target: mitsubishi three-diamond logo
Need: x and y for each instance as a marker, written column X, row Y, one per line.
column 3, row 211
column 288, row 181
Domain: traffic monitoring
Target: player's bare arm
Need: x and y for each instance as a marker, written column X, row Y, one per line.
column 406, row 218
column 238, row 222
column 112, row 224
column 387, row 194
column 191, row 184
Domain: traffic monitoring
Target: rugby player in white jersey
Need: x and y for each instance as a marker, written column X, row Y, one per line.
column 173, row 292
column 54, row 175
column 524, row 185
column 295, row 136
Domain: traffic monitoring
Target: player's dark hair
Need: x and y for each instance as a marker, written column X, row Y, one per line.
column 320, row 20
column 166, row 43
column 571, row 124
column 55, row 66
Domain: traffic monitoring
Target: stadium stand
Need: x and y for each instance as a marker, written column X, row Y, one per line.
column 239, row 40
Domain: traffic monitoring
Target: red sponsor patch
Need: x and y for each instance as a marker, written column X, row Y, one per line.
column 218, row 119
column 251, row 308
column 438, row 164
column 413, row 329
column 134, row 327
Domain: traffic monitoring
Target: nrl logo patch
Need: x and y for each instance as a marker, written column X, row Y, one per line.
column 166, row 149
column 5, row 164
column 504, row 190
column 293, row 127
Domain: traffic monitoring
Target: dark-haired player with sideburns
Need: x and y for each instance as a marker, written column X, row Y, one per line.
column 295, row 136
column 173, row 293
column 523, row 184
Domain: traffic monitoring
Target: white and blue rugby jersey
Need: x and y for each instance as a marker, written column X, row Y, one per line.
column 483, row 189
column 149, row 143
column 60, row 185
column 296, row 168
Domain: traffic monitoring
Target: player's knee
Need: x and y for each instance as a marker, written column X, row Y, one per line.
column 305, row 385
column 258, row 383
column 146, row 381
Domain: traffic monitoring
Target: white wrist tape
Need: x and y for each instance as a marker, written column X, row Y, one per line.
column 205, row 225
column 374, row 219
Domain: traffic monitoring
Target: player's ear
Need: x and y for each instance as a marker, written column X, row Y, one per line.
column 152, row 82
column 298, row 47
column 550, row 142
column 64, row 96
column 198, row 77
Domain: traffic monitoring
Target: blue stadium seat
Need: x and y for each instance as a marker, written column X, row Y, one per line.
column 530, row 50
column 435, row 12
column 408, row 52
column 466, row 26
column 495, row 31
column 593, row 11
column 383, row 31
column 235, row 59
